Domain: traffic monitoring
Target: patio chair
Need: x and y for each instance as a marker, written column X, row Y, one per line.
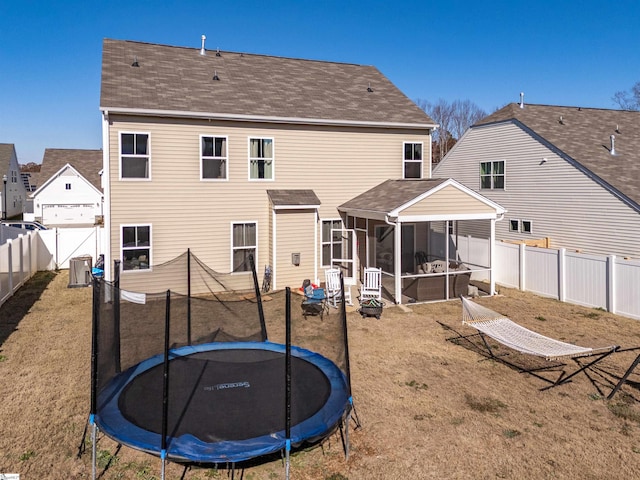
column 371, row 285
column 332, row 285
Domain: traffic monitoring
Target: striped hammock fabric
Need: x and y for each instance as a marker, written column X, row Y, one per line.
column 514, row 336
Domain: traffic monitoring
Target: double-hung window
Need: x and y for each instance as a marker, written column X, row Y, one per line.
column 331, row 243
column 412, row 160
column 213, row 155
column 244, row 241
column 134, row 155
column 261, row 158
column 492, row 175
column 136, row 247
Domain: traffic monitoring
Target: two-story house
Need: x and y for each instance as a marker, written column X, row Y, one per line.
column 69, row 190
column 567, row 174
column 14, row 194
column 231, row 154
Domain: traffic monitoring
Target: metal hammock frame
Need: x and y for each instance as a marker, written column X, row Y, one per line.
column 507, row 332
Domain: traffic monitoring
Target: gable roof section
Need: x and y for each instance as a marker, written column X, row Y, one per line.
column 293, row 199
column 7, row 150
column 179, row 81
column 66, row 167
column 583, row 135
column 87, row 163
column 415, row 200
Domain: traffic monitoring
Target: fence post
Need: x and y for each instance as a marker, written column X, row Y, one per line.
column 562, row 275
column 522, row 284
column 10, row 264
column 611, row 283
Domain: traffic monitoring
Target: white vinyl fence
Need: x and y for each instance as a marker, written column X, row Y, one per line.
column 22, row 254
column 606, row 282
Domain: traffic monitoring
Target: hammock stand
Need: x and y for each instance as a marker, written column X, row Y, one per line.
column 516, row 337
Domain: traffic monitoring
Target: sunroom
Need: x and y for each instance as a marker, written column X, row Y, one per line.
column 430, row 238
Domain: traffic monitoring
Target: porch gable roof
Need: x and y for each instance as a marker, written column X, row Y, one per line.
column 421, row 200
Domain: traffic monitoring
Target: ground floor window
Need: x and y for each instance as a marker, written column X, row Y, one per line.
column 244, row 243
column 136, row 247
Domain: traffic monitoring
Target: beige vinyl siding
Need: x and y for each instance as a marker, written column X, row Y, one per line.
column 561, row 201
column 185, row 212
column 294, row 234
column 448, row 200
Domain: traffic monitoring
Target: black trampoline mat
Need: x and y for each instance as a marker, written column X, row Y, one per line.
column 229, row 394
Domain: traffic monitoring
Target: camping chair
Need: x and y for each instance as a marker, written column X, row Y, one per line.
column 372, row 284
column 315, row 302
column 332, row 285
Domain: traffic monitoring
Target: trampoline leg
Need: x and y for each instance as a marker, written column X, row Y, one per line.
column 162, row 466
column 287, row 462
column 346, row 436
column 93, row 449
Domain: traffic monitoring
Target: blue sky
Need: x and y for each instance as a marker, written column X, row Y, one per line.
column 573, row 52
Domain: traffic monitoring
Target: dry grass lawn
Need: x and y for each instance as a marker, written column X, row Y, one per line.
column 429, row 407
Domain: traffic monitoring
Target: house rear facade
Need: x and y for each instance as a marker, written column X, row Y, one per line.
column 567, row 174
column 230, row 154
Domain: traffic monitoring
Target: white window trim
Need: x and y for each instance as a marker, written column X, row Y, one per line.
column 421, row 162
column 232, row 248
column 322, row 242
column 129, row 179
column 492, row 175
column 141, row 270
column 226, row 163
column 273, row 159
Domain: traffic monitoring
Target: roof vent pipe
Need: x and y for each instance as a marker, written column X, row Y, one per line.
column 202, row 50
column 521, row 99
column 613, row 144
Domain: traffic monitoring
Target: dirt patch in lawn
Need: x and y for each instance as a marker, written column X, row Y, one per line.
column 430, row 406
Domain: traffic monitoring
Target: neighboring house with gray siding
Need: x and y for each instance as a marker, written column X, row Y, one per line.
column 230, row 154
column 12, row 190
column 557, row 172
column 69, row 190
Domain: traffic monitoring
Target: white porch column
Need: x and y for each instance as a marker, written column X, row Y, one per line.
column 397, row 260
column 492, row 262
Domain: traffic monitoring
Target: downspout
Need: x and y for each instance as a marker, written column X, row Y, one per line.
column 106, row 186
column 397, row 264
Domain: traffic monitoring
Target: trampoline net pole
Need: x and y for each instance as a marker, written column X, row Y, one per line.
column 116, row 314
column 188, row 296
column 287, row 428
column 256, row 287
column 94, row 344
column 165, row 388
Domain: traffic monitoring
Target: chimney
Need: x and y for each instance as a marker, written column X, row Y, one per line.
column 521, row 99
column 202, row 50
column 613, row 145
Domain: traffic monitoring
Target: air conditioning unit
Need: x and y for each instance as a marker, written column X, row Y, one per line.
column 80, row 271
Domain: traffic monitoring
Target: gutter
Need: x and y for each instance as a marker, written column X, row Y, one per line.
column 262, row 119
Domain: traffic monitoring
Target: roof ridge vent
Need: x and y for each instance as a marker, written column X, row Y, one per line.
column 617, row 128
column 613, row 144
column 561, row 120
column 202, row 50
column 521, row 99
column 215, row 75
column 369, row 89
column 135, row 62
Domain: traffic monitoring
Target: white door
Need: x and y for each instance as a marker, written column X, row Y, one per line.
column 345, row 257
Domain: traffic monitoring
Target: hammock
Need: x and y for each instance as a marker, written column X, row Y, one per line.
column 514, row 336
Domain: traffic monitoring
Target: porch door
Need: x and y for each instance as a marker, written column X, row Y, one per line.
column 408, row 248
column 344, row 257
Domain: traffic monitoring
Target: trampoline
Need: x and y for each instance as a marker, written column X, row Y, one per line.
column 190, row 375
column 226, row 402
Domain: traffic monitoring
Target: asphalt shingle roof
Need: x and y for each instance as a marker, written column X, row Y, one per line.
column 391, row 194
column 87, row 162
column 293, row 197
column 179, row 79
column 583, row 134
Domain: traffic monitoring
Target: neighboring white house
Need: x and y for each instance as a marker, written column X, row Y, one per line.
column 12, row 191
column 72, row 195
column 567, row 174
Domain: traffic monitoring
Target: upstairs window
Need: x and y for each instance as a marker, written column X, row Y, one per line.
column 492, row 175
column 261, row 158
column 213, row 154
column 136, row 247
column 67, row 186
column 134, row 155
column 244, row 243
column 412, row 162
